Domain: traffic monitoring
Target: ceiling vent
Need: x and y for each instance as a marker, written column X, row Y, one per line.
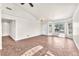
column 8, row 8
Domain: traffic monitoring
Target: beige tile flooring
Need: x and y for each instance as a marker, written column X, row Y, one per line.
column 52, row 46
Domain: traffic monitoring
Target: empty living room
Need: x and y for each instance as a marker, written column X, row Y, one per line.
column 39, row 29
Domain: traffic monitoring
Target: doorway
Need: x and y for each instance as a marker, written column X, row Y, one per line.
column 8, row 28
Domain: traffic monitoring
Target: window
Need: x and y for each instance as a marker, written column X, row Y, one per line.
column 70, row 28
column 59, row 27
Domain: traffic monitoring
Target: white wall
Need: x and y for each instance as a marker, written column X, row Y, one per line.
column 76, row 27
column 0, row 29
column 26, row 28
column 44, row 27
column 12, row 29
column 5, row 28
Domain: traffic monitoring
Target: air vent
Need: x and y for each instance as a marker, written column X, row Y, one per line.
column 8, row 8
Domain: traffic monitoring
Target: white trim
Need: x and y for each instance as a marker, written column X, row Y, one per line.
column 76, row 44
column 18, row 39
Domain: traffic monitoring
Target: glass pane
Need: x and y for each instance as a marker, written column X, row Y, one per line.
column 59, row 27
column 70, row 28
column 50, row 28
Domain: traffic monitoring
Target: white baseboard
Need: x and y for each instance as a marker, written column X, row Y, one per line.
column 5, row 35
column 18, row 39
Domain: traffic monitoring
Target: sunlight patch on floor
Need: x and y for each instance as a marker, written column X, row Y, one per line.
column 32, row 51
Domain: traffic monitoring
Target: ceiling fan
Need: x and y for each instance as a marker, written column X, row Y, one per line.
column 29, row 4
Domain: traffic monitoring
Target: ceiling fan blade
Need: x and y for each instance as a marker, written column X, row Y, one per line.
column 31, row 4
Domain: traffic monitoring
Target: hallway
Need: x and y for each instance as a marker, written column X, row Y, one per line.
column 56, row 45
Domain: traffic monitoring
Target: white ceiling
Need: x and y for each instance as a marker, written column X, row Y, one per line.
column 42, row 10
